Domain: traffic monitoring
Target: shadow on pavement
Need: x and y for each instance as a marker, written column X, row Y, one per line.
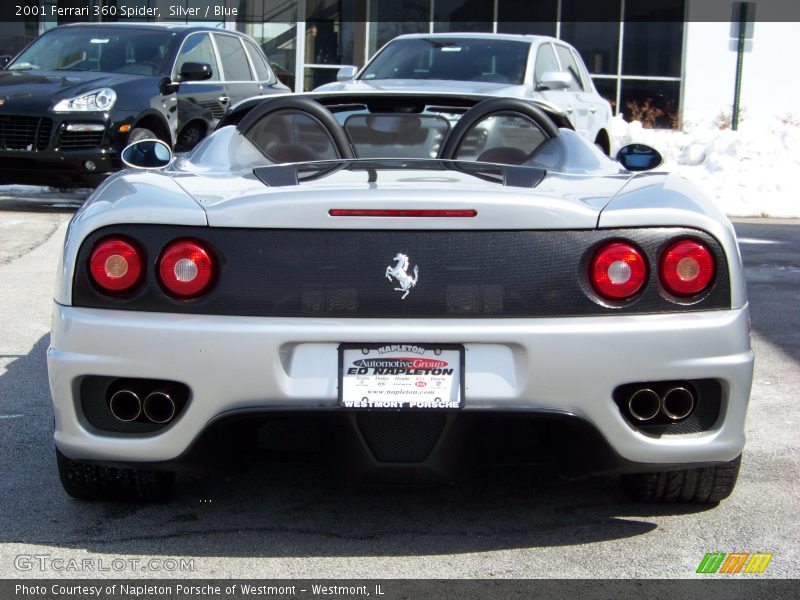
column 293, row 510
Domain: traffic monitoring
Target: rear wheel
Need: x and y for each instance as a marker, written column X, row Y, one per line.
column 707, row 485
column 88, row 481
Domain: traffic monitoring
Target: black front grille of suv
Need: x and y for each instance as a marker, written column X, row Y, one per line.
column 80, row 140
column 24, row 133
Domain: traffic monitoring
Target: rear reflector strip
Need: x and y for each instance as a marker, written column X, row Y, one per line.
column 354, row 212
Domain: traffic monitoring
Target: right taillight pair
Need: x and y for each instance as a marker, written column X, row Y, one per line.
column 185, row 267
column 618, row 270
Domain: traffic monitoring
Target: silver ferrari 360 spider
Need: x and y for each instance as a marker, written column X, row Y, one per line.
column 407, row 284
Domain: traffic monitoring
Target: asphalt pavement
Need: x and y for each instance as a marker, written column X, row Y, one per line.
column 296, row 521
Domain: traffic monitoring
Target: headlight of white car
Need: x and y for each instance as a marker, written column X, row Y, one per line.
column 98, row 100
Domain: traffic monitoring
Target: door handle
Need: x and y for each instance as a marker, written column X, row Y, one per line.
column 593, row 109
column 224, row 99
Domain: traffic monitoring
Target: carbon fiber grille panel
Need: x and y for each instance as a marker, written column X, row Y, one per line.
column 461, row 274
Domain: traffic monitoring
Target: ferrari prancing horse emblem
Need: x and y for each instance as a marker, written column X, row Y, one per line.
column 400, row 273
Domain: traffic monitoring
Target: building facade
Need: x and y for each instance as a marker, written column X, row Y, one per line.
column 637, row 52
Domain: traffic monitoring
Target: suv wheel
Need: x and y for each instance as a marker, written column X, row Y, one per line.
column 140, row 133
column 88, row 481
column 707, row 485
column 189, row 136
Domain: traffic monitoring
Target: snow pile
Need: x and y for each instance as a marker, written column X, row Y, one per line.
column 752, row 172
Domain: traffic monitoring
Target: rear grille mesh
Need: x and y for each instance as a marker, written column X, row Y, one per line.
column 396, row 437
column 24, row 133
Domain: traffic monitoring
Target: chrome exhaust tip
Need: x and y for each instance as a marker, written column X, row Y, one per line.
column 159, row 407
column 678, row 403
column 644, row 404
column 125, row 405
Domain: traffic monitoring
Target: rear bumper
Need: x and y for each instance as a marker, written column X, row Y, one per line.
column 537, row 367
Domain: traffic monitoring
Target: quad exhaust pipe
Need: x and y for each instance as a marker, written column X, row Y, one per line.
column 676, row 404
column 644, row 404
column 125, row 405
column 158, row 406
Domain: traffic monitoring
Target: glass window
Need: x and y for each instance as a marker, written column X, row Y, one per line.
column 545, row 61
column 526, row 17
column 234, row 61
column 197, row 48
column 592, row 27
column 262, row 70
column 399, row 135
column 331, row 31
column 97, row 49
column 607, row 88
column 462, row 15
column 390, row 19
column 568, row 65
column 501, row 138
column 317, row 76
column 459, row 59
column 274, row 28
column 289, row 136
column 653, row 47
column 654, row 103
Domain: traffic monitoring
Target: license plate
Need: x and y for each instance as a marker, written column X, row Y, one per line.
column 401, row 376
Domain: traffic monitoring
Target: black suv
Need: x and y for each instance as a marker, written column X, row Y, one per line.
column 80, row 93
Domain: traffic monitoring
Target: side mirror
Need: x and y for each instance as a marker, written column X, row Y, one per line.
column 192, row 71
column 554, row 80
column 346, row 73
column 166, row 86
column 639, row 157
column 4, row 60
column 147, row 154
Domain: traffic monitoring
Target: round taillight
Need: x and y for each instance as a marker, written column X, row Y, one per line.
column 618, row 271
column 186, row 268
column 687, row 268
column 116, row 265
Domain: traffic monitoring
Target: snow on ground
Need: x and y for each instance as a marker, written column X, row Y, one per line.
column 752, row 172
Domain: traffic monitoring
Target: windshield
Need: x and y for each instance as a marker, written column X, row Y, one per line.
column 110, row 50
column 459, row 59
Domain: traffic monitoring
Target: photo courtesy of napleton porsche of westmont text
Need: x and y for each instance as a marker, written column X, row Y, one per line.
column 398, row 299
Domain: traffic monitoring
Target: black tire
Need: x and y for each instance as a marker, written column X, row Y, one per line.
column 190, row 136
column 87, row 481
column 140, row 133
column 708, row 485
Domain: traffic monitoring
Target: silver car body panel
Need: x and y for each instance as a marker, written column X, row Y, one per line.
column 289, row 363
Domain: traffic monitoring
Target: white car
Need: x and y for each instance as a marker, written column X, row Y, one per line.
column 518, row 66
column 404, row 281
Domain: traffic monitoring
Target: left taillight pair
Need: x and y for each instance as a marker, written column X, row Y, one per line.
column 618, row 271
column 185, row 267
